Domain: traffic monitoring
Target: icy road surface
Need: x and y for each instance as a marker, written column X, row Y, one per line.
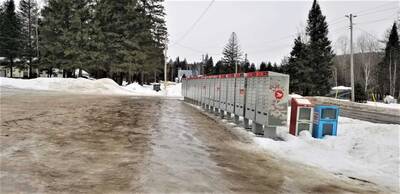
column 52, row 142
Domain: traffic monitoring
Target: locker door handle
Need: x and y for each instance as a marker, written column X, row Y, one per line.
column 259, row 112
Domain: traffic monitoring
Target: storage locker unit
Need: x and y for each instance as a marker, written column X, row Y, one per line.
column 250, row 97
column 301, row 116
column 212, row 89
column 277, row 99
column 203, row 88
column 240, row 94
column 262, row 82
column 198, row 91
column 217, row 92
column 224, row 90
column 230, row 100
column 207, row 91
column 325, row 120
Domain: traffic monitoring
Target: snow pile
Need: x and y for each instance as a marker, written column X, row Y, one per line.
column 384, row 105
column 86, row 86
column 71, row 85
column 362, row 149
column 341, row 88
column 173, row 89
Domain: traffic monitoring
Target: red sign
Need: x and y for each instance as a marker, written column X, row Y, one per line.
column 242, row 92
column 279, row 94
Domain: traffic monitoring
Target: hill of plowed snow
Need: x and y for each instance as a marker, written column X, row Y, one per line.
column 85, row 86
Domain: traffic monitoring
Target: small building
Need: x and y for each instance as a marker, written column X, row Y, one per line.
column 187, row 73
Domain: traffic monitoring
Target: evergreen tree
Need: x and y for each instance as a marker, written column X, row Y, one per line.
column 29, row 14
column 232, row 54
column 388, row 72
column 275, row 68
column 10, row 31
column 219, row 68
column 153, row 34
column 269, row 66
column 78, row 36
column 252, row 68
column 263, row 66
column 208, row 70
column 298, row 69
column 116, row 39
column 319, row 52
column 360, row 94
column 55, row 24
column 246, row 66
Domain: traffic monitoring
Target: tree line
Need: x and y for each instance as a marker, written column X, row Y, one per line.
column 118, row 39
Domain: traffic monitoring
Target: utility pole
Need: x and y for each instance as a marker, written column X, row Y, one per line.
column 236, row 66
column 351, row 16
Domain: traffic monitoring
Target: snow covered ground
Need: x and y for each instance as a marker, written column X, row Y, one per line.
column 86, row 86
column 384, row 105
column 363, row 150
column 173, row 89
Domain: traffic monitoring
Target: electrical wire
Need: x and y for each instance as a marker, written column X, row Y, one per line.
column 375, row 21
column 374, row 8
column 194, row 24
column 378, row 11
column 369, row 34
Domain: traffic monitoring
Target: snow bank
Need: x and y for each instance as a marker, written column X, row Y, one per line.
column 86, row 86
column 384, row 105
column 362, row 149
column 341, row 88
column 70, row 85
column 173, row 90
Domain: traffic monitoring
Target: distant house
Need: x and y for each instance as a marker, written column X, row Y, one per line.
column 187, row 73
column 19, row 70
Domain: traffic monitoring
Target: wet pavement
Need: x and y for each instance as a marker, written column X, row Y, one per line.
column 109, row 144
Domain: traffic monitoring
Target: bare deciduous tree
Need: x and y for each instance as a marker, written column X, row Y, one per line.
column 368, row 48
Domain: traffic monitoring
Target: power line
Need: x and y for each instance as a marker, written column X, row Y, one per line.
column 375, row 21
column 379, row 6
column 369, row 34
column 194, row 50
column 378, row 11
column 195, row 23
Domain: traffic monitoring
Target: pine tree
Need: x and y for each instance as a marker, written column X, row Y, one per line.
column 208, row 70
column 10, row 31
column 55, row 25
column 29, row 14
column 232, row 54
column 298, row 69
column 154, row 34
column 269, row 66
column 263, row 66
column 252, row 67
column 219, row 68
column 360, row 94
column 320, row 52
column 78, row 36
column 388, row 72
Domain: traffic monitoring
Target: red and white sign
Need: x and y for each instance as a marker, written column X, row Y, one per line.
column 242, row 92
column 279, row 94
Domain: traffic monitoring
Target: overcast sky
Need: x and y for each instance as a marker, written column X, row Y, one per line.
column 265, row 29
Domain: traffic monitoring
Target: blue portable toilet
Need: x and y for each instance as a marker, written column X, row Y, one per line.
column 325, row 120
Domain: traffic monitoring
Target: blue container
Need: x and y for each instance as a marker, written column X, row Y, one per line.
column 325, row 120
